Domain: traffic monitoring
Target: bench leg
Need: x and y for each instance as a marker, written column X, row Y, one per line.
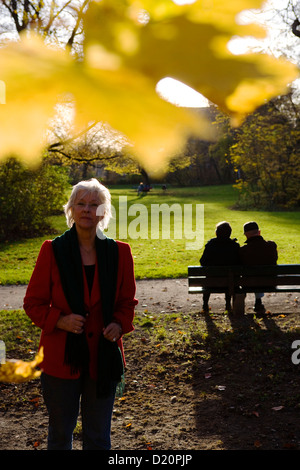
column 239, row 304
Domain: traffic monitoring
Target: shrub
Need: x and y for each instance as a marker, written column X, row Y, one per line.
column 28, row 196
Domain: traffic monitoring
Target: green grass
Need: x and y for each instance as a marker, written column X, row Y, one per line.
column 18, row 333
column 163, row 258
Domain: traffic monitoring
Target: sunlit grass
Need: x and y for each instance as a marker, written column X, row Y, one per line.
column 18, row 333
column 165, row 258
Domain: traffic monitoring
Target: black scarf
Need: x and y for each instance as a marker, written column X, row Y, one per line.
column 68, row 258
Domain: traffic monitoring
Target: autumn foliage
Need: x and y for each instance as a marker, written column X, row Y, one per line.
column 128, row 47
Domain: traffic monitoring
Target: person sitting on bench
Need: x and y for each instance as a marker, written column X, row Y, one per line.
column 257, row 251
column 220, row 251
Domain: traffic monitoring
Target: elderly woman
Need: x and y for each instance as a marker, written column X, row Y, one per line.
column 82, row 296
column 220, row 251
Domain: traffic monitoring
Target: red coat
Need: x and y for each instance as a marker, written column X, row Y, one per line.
column 45, row 301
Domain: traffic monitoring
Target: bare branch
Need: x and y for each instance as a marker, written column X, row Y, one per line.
column 82, row 159
column 78, row 21
column 68, row 141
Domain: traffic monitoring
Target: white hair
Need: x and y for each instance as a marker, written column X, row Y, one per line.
column 87, row 187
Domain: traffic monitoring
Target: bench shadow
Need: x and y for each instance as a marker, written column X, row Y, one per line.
column 246, row 388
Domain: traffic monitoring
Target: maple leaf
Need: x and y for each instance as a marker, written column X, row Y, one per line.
column 189, row 43
column 17, row 371
column 129, row 46
column 38, row 76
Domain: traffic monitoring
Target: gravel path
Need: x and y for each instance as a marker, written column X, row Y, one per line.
column 168, row 295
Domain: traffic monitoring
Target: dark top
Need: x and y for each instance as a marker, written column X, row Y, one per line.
column 258, row 251
column 221, row 252
column 89, row 272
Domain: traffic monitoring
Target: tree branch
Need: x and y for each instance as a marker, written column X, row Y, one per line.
column 82, row 159
column 78, row 21
column 67, row 141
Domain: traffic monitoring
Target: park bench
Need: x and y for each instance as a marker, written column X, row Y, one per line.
column 240, row 280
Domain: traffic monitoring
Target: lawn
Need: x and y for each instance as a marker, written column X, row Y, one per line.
column 156, row 253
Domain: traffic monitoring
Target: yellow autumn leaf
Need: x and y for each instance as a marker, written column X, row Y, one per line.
column 32, row 74
column 129, row 46
column 189, row 43
column 129, row 103
column 37, row 76
column 17, row 371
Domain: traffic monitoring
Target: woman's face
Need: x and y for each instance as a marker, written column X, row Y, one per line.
column 85, row 209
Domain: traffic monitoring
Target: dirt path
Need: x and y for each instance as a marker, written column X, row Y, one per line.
column 166, row 295
column 191, row 396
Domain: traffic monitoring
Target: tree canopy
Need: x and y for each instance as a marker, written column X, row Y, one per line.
column 110, row 72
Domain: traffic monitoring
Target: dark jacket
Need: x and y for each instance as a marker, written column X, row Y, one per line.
column 258, row 251
column 221, row 252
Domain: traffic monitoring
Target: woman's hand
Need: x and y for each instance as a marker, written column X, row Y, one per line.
column 112, row 332
column 73, row 323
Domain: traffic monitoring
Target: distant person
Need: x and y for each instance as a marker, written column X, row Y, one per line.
column 257, row 251
column 220, row 251
column 140, row 188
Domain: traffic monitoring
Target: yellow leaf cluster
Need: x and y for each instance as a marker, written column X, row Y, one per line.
column 189, row 43
column 129, row 46
column 17, row 371
column 37, row 76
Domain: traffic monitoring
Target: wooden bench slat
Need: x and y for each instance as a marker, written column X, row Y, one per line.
column 276, row 281
column 244, row 279
column 216, row 290
column 243, row 270
column 216, row 281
